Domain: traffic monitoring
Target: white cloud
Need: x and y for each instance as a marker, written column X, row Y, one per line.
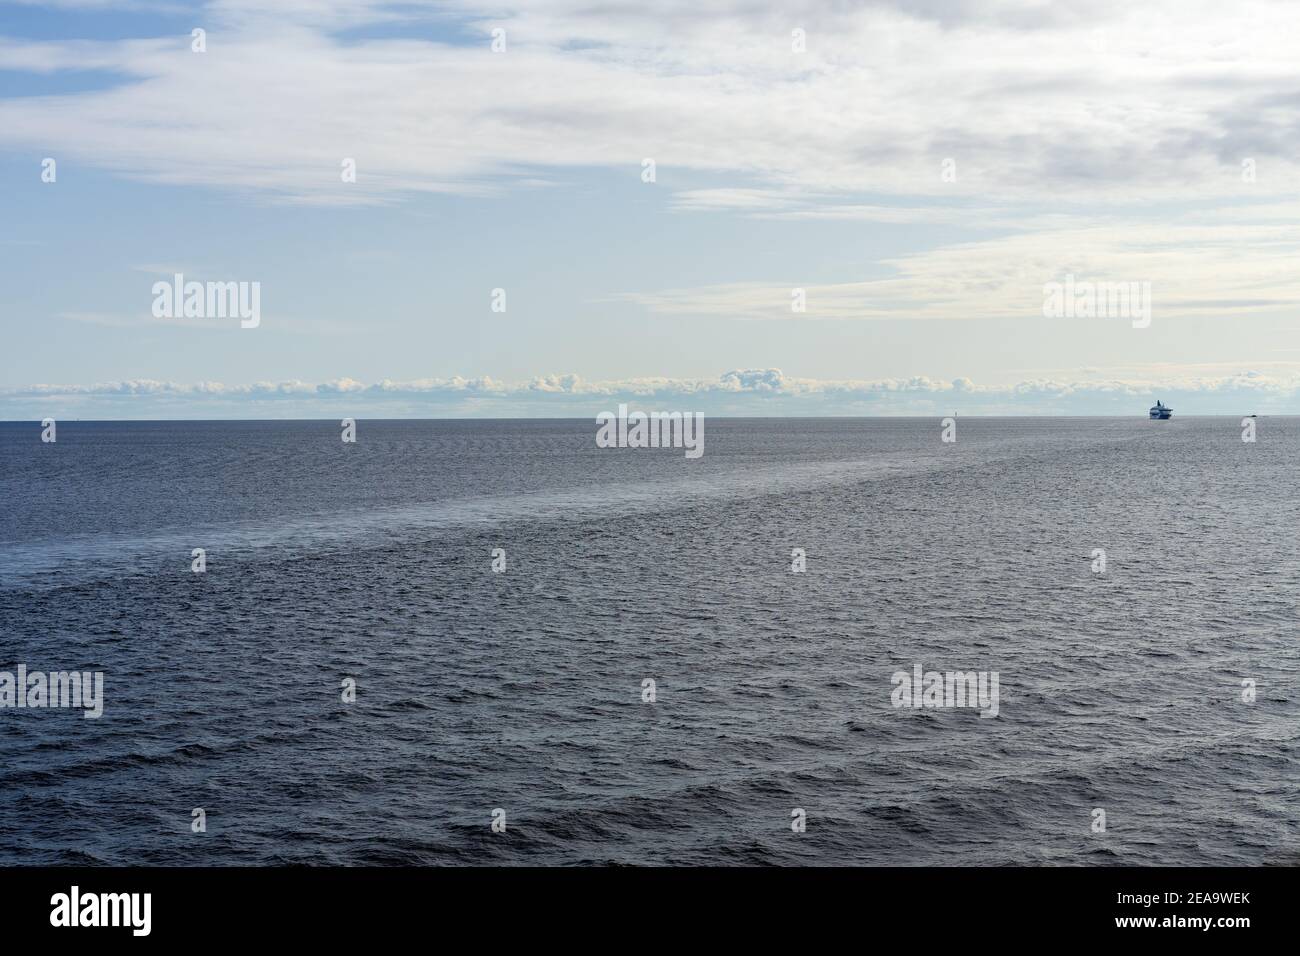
column 1092, row 102
column 1204, row 389
column 1197, row 265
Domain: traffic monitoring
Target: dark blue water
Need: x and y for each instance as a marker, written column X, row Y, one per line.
column 521, row 690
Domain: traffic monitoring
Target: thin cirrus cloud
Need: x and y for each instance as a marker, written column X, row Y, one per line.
column 1194, row 268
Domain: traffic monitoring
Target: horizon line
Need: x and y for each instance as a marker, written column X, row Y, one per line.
column 591, row 419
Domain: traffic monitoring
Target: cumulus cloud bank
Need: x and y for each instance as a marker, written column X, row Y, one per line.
column 737, row 392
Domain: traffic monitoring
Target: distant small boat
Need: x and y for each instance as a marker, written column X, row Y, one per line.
column 1161, row 411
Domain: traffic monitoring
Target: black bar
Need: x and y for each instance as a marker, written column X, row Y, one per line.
column 944, row 905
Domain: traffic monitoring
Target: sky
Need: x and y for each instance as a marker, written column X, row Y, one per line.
column 915, row 174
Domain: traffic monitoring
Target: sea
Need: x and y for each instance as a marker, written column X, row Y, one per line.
column 491, row 642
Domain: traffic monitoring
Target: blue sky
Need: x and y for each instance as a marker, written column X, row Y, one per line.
column 1154, row 146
